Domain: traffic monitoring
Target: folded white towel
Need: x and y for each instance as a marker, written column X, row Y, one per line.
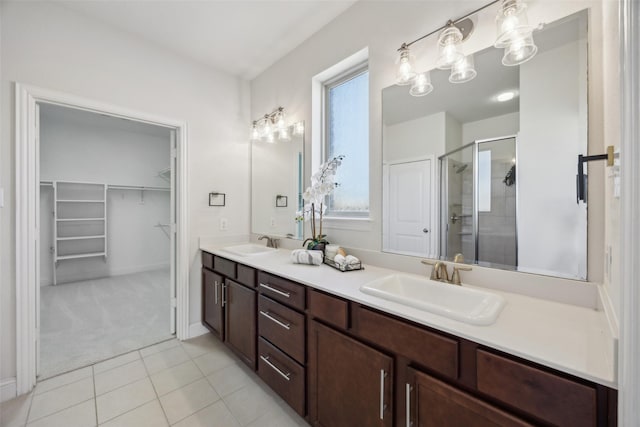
column 304, row 256
column 351, row 260
column 339, row 259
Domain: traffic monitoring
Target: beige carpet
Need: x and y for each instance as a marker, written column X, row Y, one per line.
column 86, row 322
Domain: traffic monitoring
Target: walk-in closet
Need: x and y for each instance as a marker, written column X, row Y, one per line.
column 106, row 205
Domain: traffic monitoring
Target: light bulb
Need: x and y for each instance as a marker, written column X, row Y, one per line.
column 519, row 51
column 255, row 135
column 283, row 135
column 298, row 128
column 421, row 85
column 512, row 22
column 406, row 71
column 266, row 129
column 463, row 71
column 269, row 138
column 448, row 43
column 280, row 124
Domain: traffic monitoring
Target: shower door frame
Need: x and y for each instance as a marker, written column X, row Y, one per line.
column 444, row 226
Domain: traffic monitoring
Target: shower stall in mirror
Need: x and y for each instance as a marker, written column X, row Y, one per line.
column 479, row 202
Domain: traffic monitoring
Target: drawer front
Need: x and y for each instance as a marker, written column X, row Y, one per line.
column 283, row 290
column 283, row 375
column 282, row 326
column 246, row 276
column 328, row 308
column 207, row 260
column 224, row 266
column 429, row 349
column 551, row 398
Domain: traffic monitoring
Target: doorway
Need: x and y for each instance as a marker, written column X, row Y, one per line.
column 29, row 100
column 106, row 209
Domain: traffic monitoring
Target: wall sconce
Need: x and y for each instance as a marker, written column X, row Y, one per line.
column 515, row 35
column 266, row 127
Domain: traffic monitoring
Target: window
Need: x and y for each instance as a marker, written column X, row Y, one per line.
column 346, row 101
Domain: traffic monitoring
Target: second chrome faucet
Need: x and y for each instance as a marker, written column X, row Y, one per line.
column 440, row 272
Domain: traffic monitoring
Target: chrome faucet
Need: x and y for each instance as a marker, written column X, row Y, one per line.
column 272, row 242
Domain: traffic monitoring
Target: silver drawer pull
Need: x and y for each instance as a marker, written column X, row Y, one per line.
column 275, row 368
column 277, row 291
column 408, row 404
column 382, row 405
column 268, row 315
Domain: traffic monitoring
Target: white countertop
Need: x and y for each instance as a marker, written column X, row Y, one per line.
column 571, row 339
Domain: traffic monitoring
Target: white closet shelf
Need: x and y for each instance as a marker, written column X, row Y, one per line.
column 85, row 255
column 79, row 219
column 100, row 236
column 78, row 201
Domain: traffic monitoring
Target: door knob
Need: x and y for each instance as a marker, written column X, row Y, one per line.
column 424, row 230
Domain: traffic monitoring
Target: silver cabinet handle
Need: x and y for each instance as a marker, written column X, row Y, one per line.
column 383, row 374
column 215, row 288
column 268, row 315
column 277, row 291
column 224, row 294
column 275, row 368
column 408, row 404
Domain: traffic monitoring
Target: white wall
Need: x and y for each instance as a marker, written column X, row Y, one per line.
column 413, row 139
column 550, row 142
column 493, row 127
column 87, row 147
column 49, row 46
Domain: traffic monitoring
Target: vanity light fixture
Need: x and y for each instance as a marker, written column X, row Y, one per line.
column 266, row 128
column 515, row 35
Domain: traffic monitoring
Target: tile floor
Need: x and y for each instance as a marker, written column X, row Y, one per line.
column 187, row 384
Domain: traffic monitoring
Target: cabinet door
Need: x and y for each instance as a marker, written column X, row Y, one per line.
column 433, row 403
column 212, row 306
column 240, row 310
column 350, row 384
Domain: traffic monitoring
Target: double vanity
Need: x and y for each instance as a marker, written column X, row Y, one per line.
column 378, row 347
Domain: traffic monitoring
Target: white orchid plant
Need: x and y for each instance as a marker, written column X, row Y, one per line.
column 322, row 184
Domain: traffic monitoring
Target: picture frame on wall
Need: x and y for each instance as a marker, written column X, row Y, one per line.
column 217, row 199
column 281, row 201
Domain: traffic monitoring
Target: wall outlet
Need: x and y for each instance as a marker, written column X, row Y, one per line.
column 224, row 224
column 273, row 222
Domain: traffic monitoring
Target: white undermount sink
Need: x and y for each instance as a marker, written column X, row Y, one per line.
column 248, row 249
column 455, row 302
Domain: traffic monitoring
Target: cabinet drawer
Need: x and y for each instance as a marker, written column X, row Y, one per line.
column 207, row 260
column 554, row 399
column 429, row 349
column 224, row 266
column 283, row 290
column 282, row 374
column 246, row 276
column 328, row 308
column 282, row 326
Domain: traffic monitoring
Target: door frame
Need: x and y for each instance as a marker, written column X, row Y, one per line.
column 27, row 99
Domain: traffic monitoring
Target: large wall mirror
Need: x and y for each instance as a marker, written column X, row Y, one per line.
column 488, row 168
column 276, row 186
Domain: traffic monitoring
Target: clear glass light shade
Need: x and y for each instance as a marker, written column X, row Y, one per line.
column 519, row 51
column 406, row 68
column 512, row 22
column 283, row 134
column 448, row 48
column 270, row 138
column 255, row 134
column 463, row 71
column 267, row 129
column 421, row 85
column 280, row 124
column 298, row 128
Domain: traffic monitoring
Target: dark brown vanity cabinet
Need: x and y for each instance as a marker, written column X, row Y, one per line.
column 282, row 338
column 229, row 304
column 350, row 384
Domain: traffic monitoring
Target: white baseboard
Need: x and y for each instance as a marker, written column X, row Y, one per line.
column 47, row 281
column 197, row 329
column 7, row 389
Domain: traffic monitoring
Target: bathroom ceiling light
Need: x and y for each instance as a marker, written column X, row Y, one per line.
column 463, row 71
column 406, row 69
column 505, row 96
column 421, row 85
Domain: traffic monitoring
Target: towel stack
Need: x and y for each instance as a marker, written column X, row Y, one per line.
column 305, row 256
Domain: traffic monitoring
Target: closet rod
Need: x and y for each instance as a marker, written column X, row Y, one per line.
column 137, row 187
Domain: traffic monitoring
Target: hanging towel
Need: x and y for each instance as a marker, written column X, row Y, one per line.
column 304, row 256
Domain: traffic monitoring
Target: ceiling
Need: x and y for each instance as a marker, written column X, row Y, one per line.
column 240, row 37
